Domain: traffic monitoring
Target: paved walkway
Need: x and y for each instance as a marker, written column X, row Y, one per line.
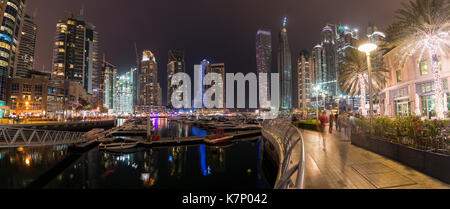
column 334, row 163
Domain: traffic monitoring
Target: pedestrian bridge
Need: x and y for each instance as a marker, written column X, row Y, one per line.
column 11, row 137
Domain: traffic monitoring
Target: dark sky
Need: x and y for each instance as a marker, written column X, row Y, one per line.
column 218, row 30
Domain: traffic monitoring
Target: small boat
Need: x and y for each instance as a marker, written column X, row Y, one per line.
column 118, row 146
column 218, row 139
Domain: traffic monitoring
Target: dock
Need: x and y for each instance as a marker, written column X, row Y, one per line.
column 197, row 139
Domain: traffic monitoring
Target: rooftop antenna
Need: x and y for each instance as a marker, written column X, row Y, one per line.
column 35, row 13
column 82, row 9
column 137, row 56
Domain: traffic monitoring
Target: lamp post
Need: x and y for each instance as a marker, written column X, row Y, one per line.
column 368, row 48
column 317, row 88
column 27, row 104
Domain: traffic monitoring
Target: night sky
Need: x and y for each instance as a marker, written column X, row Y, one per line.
column 216, row 30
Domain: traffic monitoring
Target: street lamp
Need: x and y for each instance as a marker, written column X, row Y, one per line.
column 317, row 88
column 27, row 104
column 368, row 48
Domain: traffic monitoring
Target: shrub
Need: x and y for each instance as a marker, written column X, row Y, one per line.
column 410, row 131
column 308, row 124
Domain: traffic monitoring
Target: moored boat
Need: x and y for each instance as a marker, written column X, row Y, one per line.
column 218, row 139
column 118, row 146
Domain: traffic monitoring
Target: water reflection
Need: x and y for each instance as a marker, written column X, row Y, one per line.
column 20, row 166
column 175, row 167
column 183, row 167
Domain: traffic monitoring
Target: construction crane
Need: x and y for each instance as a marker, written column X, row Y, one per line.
column 137, row 57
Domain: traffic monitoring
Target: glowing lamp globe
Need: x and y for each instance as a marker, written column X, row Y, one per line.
column 367, row 48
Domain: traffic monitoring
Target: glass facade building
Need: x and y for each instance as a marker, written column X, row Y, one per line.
column 176, row 65
column 11, row 17
column 304, row 79
column 25, row 62
column 285, row 69
column 149, row 88
column 109, row 85
column 264, row 56
column 124, row 95
column 75, row 55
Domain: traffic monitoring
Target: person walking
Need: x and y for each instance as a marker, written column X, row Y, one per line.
column 345, row 125
column 352, row 124
column 336, row 120
column 323, row 120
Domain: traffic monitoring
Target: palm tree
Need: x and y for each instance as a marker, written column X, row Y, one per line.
column 353, row 75
column 422, row 26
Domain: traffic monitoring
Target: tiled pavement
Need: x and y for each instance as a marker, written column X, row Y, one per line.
column 334, row 163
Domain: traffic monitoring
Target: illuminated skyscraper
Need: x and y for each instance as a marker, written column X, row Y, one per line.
column 124, row 95
column 218, row 68
column 25, row 60
column 326, row 58
column 149, row 88
column 199, row 88
column 285, row 69
column 304, row 79
column 109, row 85
column 176, row 65
column 11, row 13
column 329, row 71
column 377, row 37
column 346, row 39
column 264, row 55
column 135, row 80
column 75, row 55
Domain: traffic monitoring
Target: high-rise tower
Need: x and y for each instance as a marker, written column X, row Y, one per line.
column 264, row 56
column 304, row 79
column 25, row 60
column 75, row 55
column 176, row 65
column 11, row 15
column 285, row 69
column 149, row 88
column 329, row 82
column 109, row 85
column 218, row 68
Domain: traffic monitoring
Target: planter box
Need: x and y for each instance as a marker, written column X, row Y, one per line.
column 432, row 164
column 385, row 148
column 360, row 140
column 308, row 127
column 411, row 157
column 437, row 165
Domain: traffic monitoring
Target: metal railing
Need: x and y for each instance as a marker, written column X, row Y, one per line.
column 288, row 137
column 20, row 137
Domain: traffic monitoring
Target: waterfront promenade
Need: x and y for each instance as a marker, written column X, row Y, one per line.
column 334, row 163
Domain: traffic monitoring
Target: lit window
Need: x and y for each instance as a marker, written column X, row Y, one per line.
column 13, row 5
column 10, row 17
column 423, row 68
column 3, row 63
column 399, row 76
column 5, row 46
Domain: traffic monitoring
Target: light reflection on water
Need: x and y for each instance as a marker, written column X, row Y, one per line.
column 20, row 166
column 197, row 166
